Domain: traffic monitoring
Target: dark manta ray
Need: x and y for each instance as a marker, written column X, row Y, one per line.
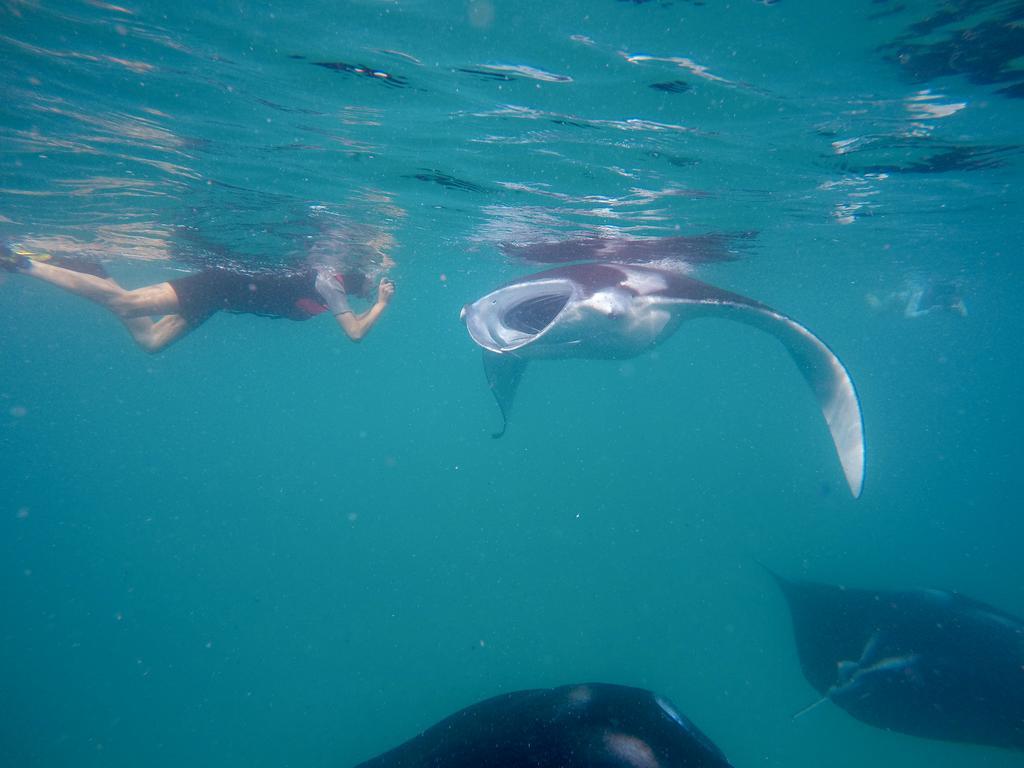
column 593, row 725
column 925, row 662
column 621, row 310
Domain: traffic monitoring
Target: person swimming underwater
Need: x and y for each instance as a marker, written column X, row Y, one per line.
column 158, row 315
column 924, row 297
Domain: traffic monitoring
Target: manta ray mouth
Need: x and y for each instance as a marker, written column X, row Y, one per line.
column 516, row 315
column 536, row 313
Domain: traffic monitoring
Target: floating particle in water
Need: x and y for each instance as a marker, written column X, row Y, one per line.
column 18, row 411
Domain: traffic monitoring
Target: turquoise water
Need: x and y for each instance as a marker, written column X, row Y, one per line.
column 267, row 546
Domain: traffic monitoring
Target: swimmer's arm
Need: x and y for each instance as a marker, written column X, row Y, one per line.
column 357, row 326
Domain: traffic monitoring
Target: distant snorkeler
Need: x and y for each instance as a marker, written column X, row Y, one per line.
column 160, row 314
column 924, row 297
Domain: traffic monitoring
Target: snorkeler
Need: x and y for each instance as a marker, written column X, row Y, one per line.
column 182, row 305
column 935, row 296
column 920, row 298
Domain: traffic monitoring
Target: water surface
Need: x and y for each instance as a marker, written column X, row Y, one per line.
column 267, row 546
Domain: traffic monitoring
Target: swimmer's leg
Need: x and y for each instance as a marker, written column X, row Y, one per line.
column 133, row 307
column 155, row 335
column 159, row 299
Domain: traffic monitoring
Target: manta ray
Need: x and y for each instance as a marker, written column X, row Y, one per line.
column 926, row 662
column 587, row 725
column 620, row 310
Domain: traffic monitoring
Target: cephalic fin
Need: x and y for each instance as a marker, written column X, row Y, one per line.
column 503, row 372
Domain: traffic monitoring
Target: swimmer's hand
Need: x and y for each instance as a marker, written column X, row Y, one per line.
column 385, row 291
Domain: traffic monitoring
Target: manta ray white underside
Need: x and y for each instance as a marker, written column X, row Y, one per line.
column 621, row 310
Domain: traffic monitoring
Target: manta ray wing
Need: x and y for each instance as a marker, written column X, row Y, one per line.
column 821, row 369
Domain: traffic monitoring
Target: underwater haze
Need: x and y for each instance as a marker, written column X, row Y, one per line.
column 266, row 546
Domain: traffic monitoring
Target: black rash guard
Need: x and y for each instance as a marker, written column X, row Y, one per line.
column 294, row 295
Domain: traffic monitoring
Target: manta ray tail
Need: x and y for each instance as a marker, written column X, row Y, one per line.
column 503, row 374
column 809, row 707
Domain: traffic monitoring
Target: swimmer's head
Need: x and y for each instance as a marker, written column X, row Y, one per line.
column 943, row 295
column 371, row 272
column 357, row 283
column 361, row 262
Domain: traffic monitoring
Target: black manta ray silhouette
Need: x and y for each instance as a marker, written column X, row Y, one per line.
column 924, row 662
column 591, row 725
